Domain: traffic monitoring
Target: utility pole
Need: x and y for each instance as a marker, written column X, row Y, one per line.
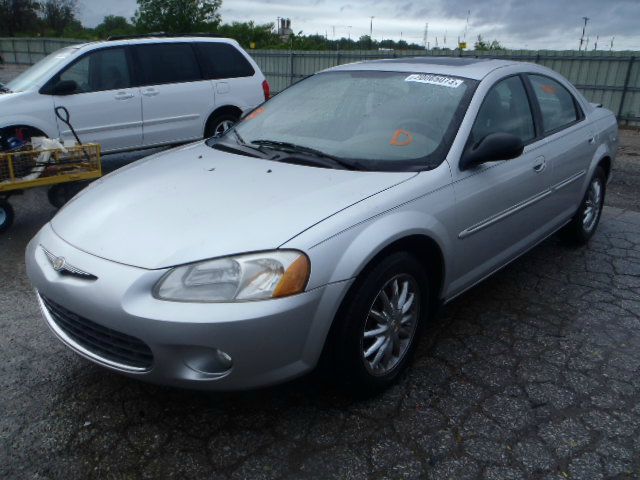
column 595, row 47
column 584, row 28
column 467, row 25
column 611, row 44
column 349, row 27
column 426, row 36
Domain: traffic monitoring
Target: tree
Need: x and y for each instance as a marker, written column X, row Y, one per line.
column 18, row 16
column 114, row 25
column 482, row 45
column 177, row 16
column 59, row 15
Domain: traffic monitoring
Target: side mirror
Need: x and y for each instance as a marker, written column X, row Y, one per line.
column 493, row 147
column 64, row 87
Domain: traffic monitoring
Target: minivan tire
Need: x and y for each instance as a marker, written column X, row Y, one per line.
column 218, row 124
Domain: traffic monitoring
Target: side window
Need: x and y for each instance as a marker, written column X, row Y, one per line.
column 505, row 109
column 167, row 63
column 221, row 60
column 98, row 71
column 556, row 103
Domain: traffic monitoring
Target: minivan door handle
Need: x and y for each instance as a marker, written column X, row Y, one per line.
column 124, row 95
column 541, row 165
column 150, row 92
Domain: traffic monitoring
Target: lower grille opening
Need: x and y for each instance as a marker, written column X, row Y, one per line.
column 101, row 341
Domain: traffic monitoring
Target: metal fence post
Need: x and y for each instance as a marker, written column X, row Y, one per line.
column 290, row 67
column 625, row 88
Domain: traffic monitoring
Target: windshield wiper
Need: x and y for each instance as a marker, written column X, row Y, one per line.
column 4, row 89
column 239, row 147
column 294, row 148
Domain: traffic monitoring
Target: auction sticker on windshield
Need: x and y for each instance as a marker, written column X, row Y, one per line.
column 435, row 80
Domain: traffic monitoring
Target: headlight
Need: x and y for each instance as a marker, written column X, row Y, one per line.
column 257, row 276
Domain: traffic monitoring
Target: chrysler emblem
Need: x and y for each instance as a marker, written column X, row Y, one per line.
column 58, row 263
column 61, row 266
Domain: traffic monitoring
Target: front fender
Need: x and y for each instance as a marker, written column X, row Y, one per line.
column 361, row 244
column 50, row 130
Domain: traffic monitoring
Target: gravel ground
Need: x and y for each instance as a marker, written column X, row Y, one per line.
column 533, row 374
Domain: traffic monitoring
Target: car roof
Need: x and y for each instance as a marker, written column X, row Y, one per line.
column 467, row 67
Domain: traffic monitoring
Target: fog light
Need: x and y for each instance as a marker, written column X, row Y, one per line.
column 210, row 361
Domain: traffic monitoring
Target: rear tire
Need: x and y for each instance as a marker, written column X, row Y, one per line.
column 218, row 124
column 377, row 331
column 60, row 194
column 6, row 215
column 585, row 222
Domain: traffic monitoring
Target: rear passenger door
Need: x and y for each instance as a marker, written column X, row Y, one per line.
column 569, row 142
column 231, row 74
column 176, row 100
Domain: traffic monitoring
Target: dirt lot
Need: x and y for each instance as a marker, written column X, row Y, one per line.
column 533, row 374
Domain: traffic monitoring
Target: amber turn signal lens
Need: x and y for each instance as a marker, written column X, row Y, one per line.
column 294, row 279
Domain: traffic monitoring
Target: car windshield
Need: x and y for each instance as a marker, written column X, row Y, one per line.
column 39, row 73
column 378, row 120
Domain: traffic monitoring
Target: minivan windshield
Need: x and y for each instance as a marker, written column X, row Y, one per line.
column 377, row 120
column 42, row 71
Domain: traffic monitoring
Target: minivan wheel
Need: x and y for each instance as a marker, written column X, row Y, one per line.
column 6, row 215
column 585, row 222
column 379, row 328
column 219, row 124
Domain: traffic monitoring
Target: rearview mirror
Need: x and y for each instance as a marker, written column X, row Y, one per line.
column 493, row 147
column 65, row 87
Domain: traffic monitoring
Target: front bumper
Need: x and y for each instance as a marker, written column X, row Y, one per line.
column 268, row 341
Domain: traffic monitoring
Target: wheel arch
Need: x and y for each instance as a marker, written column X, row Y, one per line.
column 224, row 109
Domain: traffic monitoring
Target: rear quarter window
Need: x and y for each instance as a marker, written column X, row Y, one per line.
column 221, row 60
column 557, row 105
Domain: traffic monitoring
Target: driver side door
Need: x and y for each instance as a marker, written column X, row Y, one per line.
column 501, row 206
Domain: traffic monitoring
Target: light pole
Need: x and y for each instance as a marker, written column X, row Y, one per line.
column 349, row 34
column 584, row 27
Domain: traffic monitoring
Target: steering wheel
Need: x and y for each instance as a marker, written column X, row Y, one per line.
column 416, row 125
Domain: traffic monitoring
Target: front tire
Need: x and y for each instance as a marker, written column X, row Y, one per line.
column 585, row 222
column 6, row 215
column 378, row 329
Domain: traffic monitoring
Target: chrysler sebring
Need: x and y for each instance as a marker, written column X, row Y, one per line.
column 330, row 223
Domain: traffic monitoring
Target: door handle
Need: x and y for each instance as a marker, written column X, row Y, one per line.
column 124, row 96
column 592, row 140
column 540, row 166
column 150, row 93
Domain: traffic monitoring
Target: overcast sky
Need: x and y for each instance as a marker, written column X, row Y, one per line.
column 533, row 24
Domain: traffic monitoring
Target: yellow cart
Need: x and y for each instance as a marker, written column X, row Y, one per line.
column 61, row 171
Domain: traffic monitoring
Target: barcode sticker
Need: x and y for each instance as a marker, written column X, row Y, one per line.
column 435, row 80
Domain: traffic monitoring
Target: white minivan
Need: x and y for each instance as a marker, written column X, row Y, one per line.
column 135, row 92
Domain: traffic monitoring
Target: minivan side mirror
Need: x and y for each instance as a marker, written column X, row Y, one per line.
column 65, row 87
column 493, row 147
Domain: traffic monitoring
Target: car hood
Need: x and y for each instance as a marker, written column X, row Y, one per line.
column 195, row 203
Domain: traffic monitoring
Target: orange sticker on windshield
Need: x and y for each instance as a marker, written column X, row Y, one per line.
column 256, row 113
column 550, row 89
column 401, row 138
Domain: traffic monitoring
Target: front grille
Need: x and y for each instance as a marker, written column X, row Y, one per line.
column 103, row 342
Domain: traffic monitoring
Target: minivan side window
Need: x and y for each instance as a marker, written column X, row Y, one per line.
column 162, row 63
column 505, row 109
column 221, row 60
column 557, row 105
column 98, row 71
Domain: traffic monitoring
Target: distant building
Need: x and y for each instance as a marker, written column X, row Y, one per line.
column 284, row 29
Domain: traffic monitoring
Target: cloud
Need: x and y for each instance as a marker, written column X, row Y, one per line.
column 553, row 24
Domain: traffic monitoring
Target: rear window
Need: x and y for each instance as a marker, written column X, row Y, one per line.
column 221, row 60
column 167, row 63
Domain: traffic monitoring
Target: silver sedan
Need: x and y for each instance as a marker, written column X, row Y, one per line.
column 330, row 223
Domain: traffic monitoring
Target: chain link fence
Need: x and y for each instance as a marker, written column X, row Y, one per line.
column 609, row 78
